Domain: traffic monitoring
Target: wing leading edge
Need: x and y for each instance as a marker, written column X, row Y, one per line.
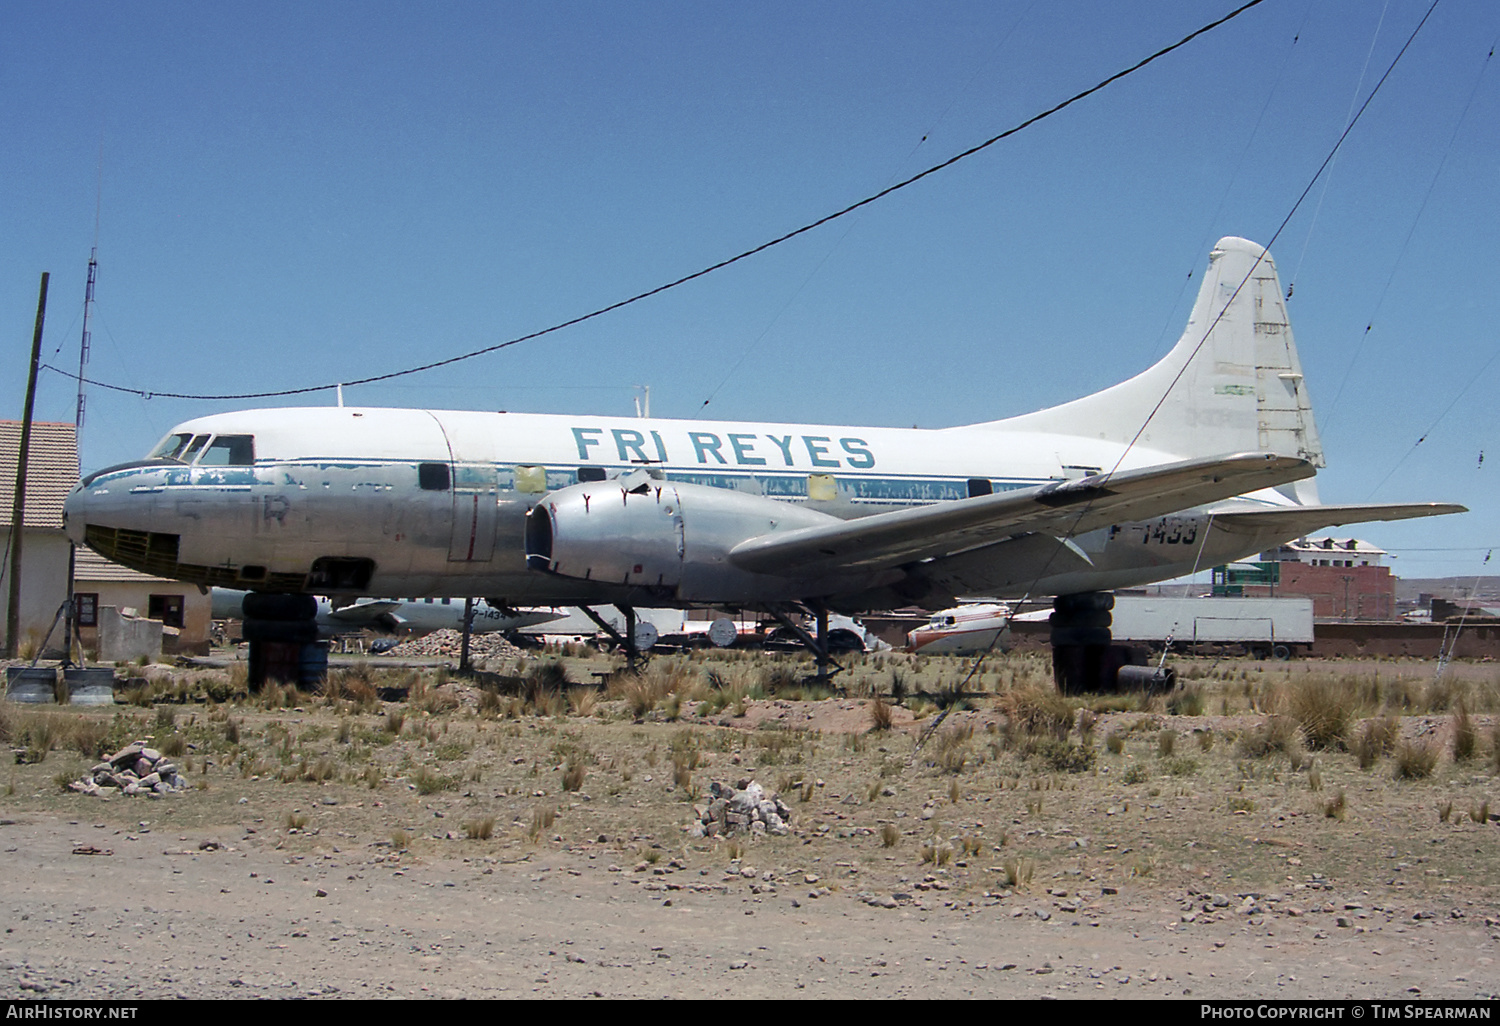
column 945, row 529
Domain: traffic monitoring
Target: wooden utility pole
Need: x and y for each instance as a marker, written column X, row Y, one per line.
column 18, row 506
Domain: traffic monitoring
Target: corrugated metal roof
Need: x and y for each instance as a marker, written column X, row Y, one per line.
column 51, row 471
column 90, row 567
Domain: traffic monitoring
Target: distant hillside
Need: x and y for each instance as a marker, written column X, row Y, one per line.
column 1408, row 588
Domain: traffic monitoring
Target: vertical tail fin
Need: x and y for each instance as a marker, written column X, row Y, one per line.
column 1232, row 383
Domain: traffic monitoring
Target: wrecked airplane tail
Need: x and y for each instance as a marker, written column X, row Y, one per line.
column 1232, row 383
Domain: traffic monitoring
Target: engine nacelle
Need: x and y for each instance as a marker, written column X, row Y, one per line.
column 642, row 532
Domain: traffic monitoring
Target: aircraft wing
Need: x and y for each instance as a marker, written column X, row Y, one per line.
column 1064, row 508
column 362, row 614
column 1300, row 520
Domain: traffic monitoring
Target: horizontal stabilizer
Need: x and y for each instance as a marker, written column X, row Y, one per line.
column 1296, row 521
column 363, row 612
column 1061, row 508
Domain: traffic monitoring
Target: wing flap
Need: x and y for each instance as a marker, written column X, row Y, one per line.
column 1073, row 507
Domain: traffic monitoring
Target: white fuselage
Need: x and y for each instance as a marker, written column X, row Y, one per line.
column 335, row 501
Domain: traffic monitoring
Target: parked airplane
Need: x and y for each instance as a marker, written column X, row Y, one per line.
column 1203, row 458
column 410, row 617
column 968, row 629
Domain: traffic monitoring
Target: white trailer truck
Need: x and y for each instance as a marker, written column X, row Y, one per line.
column 1265, row 627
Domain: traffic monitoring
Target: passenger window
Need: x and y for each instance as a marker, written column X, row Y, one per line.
column 229, row 451
column 432, row 477
column 590, row 474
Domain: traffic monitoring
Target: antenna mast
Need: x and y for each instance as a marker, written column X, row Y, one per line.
column 88, row 298
column 84, row 344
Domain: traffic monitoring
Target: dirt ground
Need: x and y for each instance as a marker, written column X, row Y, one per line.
column 323, row 853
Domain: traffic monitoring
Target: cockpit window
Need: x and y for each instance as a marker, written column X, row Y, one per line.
column 191, row 452
column 170, row 448
column 229, row 451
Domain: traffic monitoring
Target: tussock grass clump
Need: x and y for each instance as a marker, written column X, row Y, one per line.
column 90, row 737
column 479, row 829
column 1180, row 766
column 1375, row 737
column 1016, row 873
column 1324, row 707
column 952, row 751
column 1273, row 734
column 1115, row 743
column 354, row 684
column 1065, row 756
column 1034, row 710
column 1465, row 737
column 428, row 782
column 1087, row 720
column 583, row 701
column 395, row 719
column 1480, row 813
column 1166, row 742
column 296, row 820
column 400, row 840
column 573, row 773
column 889, row 835
column 491, row 705
column 881, row 714
column 1415, row 760
column 1186, row 700
column 431, row 699
column 1337, row 807
column 542, row 818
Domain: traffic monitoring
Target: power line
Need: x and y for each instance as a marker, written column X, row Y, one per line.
column 705, row 271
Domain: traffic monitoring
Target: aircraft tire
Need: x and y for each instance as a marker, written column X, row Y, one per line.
column 1080, row 636
column 296, row 632
column 1095, row 618
column 1085, row 601
column 263, row 606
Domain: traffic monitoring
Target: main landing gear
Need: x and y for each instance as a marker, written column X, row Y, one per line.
column 1086, row 659
column 818, row 645
column 637, row 640
column 283, row 634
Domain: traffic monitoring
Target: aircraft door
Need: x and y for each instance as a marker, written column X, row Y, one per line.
column 476, row 494
column 475, row 490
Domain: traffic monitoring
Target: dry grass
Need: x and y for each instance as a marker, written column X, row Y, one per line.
column 1033, row 709
column 882, row 715
column 1415, row 760
column 479, row 829
column 1324, row 707
column 1465, row 737
column 1374, row 739
column 542, row 818
column 1273, row 734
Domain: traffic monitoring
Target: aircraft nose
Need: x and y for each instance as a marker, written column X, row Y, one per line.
column 74, row 515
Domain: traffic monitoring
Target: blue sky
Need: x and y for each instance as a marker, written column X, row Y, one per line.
column 301, row 193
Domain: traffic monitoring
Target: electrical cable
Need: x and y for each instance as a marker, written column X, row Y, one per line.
column 1034, row 119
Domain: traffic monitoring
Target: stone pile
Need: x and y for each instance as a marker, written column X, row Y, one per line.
column 747, row 809
column 134, row 769
column 447, row 644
